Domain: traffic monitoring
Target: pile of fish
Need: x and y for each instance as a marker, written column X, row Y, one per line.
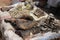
column 28, row 20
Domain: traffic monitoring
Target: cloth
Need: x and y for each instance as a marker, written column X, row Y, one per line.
column 53, row 2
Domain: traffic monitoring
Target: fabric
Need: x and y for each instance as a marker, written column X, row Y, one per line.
column 53, row 2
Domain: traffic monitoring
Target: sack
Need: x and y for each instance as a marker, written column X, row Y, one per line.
column 5, row 2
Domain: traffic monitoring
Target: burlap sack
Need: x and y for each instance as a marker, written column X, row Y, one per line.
column 5, row 2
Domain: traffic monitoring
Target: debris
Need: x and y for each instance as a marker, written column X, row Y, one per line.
column 23, row 21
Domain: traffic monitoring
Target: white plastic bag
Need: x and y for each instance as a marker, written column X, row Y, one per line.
column 16, row 1
column 4, row 15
